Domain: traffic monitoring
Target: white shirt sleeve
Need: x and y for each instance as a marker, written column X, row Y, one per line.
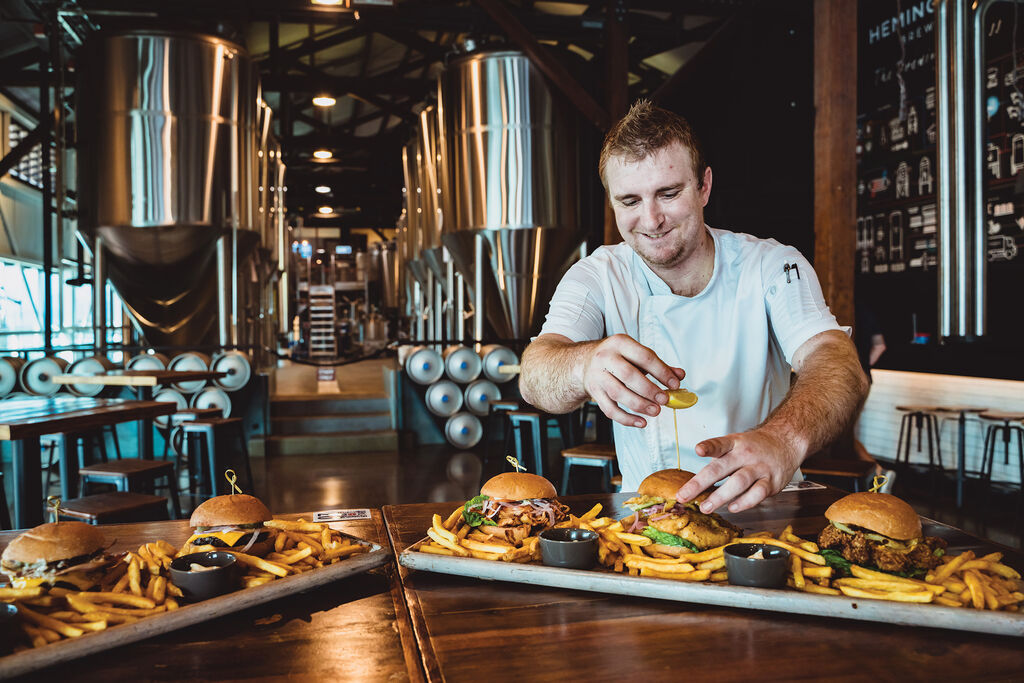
column 577, row 307
column 793, row 299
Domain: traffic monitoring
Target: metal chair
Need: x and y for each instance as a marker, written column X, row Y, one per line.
column 589, row 455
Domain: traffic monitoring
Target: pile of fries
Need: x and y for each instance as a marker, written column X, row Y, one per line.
column 138, row 584
column 963, row 580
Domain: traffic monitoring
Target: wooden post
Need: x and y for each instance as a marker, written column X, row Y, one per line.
column 835, row 162
column 617, row 70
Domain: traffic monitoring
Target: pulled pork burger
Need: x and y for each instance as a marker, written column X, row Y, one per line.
column 70, row 553
column 233, row 522
column 514, row 505
column 879, row 531
column 675, row 528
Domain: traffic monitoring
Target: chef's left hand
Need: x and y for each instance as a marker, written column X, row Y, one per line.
column 758, row 464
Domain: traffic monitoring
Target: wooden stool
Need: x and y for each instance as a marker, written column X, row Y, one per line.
column 616, row 483
column 209, row 452
column 589, row 455
column 115, row 507
column 5, row 514
column 133, row 475
column 842, row 468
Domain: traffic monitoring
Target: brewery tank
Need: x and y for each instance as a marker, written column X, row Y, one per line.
column 166, row 167
column 509, row 161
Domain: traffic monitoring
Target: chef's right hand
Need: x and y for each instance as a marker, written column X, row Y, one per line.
column 615, row 375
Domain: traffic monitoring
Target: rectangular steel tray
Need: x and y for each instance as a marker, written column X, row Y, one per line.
column 72, row 648
column 772, row 600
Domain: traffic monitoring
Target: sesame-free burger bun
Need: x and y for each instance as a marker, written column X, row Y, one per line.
column 234, row 509
column 54, row 542
column 665, row 484
column 518, row 486
column 879, row 512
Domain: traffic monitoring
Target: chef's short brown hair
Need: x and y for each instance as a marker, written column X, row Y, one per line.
column 647, row 129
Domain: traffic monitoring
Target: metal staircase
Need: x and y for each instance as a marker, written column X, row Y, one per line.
column 322, row 312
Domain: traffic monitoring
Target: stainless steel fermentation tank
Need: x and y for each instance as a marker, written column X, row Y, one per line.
column 171, row 189
column 508, row 181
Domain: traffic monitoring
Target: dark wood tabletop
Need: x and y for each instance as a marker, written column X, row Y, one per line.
column 355, row 629
column 469, row 629
column 26, row 418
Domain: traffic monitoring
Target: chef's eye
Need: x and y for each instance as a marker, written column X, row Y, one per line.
column 630, row 202
column 670, row 195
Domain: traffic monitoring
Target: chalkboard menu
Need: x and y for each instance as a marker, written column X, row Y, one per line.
column 897, row 181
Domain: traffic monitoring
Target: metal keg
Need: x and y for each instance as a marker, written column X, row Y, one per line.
column 37, row 375
column 10, row 369
column 424, row 365
column 236, row 364
column 212, row 397
column 90, row 367
column 493, row 357
column 479, row 395
column 463, row 430
column 444, row 398
column 148, row 361
column 193, row 361
column 177, row 440
column 169, row 396
column 462, row 364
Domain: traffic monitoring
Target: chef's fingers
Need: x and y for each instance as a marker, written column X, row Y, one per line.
column 760, row 490
column 633, row 390
column 736, row 484
column 715, row 470
column 614, row 412
column 650, row 364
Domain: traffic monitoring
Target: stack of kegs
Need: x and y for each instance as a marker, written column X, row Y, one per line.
column 463, row 397
column 88, row 367
column 37, row 376
column 10, row 377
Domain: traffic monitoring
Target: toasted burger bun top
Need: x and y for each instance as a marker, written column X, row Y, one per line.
column 879, row 512
column 518, row 486
column 665, row 483
column 54, row 542
column 237, row 508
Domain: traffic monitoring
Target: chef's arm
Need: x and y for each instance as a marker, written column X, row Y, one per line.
column 557, row 375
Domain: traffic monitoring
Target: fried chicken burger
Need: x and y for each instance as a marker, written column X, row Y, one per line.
column 514, row 505
column 880, row 531
column 70, row 553
column 675, row 528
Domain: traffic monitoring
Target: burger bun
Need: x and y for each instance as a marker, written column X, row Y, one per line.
column 518, row 486
column 54, row 542
column 234, row 509
column 665, row 484
column 879, row 512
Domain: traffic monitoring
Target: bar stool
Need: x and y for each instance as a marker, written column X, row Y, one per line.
column 589, row 455
column 115, row 507
column 133, row 475
column 86, row 445
column 520, row 420
column 1008, row 426
column 5, row 513
column 209, row 452
column 616, row 483
column 924, row 420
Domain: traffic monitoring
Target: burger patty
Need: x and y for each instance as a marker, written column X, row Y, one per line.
column 859, row 549
column 218, row 543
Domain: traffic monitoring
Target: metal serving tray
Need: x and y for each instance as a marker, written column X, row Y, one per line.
column 72, row 648
column 772, row 600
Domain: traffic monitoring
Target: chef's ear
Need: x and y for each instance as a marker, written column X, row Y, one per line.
column 705, row 188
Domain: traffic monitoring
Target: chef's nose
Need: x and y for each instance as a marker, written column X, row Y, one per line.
column 651, row 216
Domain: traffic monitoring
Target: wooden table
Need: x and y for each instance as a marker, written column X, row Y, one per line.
column 353, row 629
column 23, row 421
column 469, row 629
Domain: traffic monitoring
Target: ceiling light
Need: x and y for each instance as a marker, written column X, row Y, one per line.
column 322, row 189
column 326, row 209
column 324, row 101
column 323, row 154
column 327, row 2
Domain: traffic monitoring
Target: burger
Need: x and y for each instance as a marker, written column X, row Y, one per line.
column 880, row 531
column 233, row 522
column 70, row 553
column 514, row 505
column 676, row 528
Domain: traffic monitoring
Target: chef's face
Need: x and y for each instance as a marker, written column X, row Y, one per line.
column 659, row 208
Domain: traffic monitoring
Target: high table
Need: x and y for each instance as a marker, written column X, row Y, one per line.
column 476, row 630
column 961, row 450
column 23, row 421
column 353, row 629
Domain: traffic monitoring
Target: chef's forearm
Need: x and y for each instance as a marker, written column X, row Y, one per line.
column 829, row 390
column 551, row 374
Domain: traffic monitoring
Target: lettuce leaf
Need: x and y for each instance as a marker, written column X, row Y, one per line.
column 668, row 539
column 473, row 516
column 839, row 563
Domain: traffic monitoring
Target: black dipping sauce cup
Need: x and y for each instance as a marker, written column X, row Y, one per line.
column 10, row 627
column 744, row 570
column 570, row 548
column 202, row 585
